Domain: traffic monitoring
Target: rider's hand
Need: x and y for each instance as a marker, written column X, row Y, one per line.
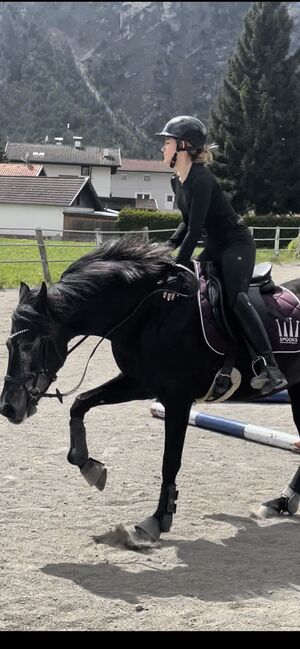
column 172, row 285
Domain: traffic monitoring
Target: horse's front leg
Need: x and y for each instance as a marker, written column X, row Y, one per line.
column 288, row 502
column 177, row 411
column 118, row 390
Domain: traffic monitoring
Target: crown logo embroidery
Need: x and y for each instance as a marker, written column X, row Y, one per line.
column 288, row 332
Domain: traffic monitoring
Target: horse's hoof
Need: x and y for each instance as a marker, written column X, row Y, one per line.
column 266, row 512
column 150, row 526
column 95, row 473
column 282, row 505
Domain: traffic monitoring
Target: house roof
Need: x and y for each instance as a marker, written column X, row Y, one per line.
column 20, row 169
column 44, row 190
column 153, row 166
column 63, row 154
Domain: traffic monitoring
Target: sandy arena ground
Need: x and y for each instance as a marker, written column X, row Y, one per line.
column 218, row 568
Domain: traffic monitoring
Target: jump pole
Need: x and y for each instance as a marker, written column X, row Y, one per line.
column 278, row 397
column 235, row 428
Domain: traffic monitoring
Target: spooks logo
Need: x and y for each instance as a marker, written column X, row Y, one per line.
column 288, row 331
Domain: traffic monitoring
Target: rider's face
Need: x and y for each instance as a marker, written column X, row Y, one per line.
column 168, row 149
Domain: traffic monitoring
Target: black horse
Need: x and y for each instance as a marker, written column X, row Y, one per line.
column 158, row 346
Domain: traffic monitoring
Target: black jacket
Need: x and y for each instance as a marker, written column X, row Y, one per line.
column 204, row 207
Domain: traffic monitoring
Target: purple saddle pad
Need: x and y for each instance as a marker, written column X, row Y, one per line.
column 283, row 319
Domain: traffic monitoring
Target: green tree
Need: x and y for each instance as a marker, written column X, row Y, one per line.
column 256, row 119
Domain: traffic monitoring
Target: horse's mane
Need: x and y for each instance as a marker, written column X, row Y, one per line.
column 124, row 260
column 128, row 258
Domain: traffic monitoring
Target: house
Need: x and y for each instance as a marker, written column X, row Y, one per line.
column 31, row 202
column 143, row 180
column 21, row 169
column 65, row 160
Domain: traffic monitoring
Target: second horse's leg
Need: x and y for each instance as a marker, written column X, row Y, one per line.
column 288, row 502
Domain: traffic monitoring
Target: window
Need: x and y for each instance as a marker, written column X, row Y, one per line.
column 143, row 196
column 85, row 170
column 169, row 201
column 124, row 176
column 146, row 178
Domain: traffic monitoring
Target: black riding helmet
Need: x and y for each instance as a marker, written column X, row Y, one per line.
column 187, row 128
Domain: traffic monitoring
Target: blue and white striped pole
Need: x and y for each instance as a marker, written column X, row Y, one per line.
column 235, row 428
column 278, row 397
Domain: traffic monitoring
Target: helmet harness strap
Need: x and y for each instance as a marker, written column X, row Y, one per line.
column 181, row 147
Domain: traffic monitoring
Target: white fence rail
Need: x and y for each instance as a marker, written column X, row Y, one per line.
column 53, row 238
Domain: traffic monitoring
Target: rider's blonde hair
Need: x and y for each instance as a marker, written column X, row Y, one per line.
column 201, row 156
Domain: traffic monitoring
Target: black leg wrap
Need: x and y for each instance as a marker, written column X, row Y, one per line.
column 167, row 500
column 166, row 507
column 78, row 453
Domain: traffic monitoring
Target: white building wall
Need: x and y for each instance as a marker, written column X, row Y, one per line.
column 159, row 186
column 101, row 180
column 62, row 170
column 29, row 216
column 100, row 176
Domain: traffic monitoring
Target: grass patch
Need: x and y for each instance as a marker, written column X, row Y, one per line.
column 20, row 259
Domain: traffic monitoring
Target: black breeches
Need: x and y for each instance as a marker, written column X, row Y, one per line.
column 235, row 262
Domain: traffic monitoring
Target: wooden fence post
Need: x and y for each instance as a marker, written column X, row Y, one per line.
column 99, row 237
column 43, row 255
column 146, row 233
column 276, row 242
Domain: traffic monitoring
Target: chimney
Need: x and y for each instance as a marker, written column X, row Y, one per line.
column 77, row 141
column 59, row 140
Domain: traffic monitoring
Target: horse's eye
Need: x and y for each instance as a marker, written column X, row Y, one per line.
column 26, row 347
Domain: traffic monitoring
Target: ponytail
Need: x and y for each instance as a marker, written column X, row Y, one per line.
column 202, row 156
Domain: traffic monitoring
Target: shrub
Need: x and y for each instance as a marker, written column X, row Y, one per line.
column 133, row 219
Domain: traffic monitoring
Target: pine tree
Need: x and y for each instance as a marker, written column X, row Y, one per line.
column 256, row 120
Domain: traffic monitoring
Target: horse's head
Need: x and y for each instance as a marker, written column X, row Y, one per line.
column 37, row 349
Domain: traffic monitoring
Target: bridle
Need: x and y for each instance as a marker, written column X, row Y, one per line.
column 33, row 393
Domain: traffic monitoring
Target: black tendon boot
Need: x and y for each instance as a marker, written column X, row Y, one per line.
column 271, row 377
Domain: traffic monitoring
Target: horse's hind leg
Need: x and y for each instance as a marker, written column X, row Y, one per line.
column 119, row 390
column 288, row 502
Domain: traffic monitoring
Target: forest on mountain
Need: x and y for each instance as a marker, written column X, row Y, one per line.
column 113, row 72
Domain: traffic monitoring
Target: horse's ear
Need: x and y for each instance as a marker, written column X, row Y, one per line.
column 41, row 299
column 23, row 291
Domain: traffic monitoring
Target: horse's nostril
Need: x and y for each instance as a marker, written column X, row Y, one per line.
column 7, row 411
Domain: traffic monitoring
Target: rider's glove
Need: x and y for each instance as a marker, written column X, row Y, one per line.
column 172, row 284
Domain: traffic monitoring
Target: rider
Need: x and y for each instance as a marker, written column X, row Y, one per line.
column 207, row 213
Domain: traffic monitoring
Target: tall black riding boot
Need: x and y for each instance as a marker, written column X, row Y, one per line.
column 271, row 377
